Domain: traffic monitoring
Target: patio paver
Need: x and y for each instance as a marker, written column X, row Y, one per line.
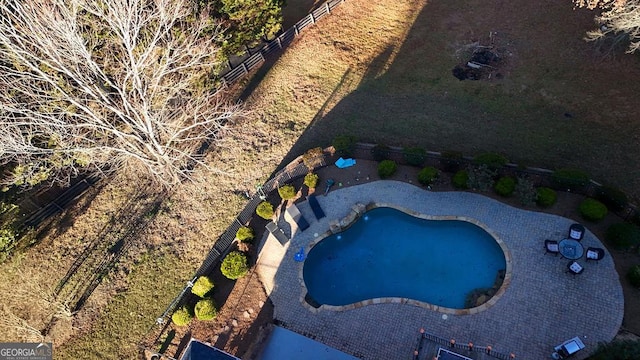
column 541, row 307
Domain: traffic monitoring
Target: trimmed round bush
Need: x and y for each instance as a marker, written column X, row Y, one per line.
column 234, row 265
column 344, row 145
column 205, row 309
column 265, row 210
column 428, row 175
column 387, row 168
column 287, row 192
column 414, row 156
column 380, row 152
column 245, row 234
column 623, row 236
column 492, row 160
column 570, row 179
column 546, row 197
column 202, row 286
column 461, row 179
column 311, row 180
column 634, row 275
column 615, row 199
column 592, row 210
column 182, row 316
column 505, row 186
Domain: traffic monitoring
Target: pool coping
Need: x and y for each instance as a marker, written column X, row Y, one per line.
column 357, row 211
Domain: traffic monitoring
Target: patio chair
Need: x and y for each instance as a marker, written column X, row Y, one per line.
column 551, row 246
column 594, row 254
column 576, row 232
column 574, row 268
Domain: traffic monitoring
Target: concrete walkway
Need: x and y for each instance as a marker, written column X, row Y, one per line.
column 541, row 307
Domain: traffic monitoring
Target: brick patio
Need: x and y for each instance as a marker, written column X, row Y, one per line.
column 541, row 307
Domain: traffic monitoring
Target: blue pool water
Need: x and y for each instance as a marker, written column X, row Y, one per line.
column 388, row 253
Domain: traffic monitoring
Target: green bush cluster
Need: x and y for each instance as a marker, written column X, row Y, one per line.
column 428, row 175
column 202, row 286
column 460, row 180
column 182, row 316
column 570, row 179
column 592, row 210
column 344, row 145
column 311, row 180
column 205, row 309
column 546, row 197
column 451, row 161
column 615, row 199
column 505, row 186
column 7, row 238
column 265, row 210
column 623, row 236
column 492, row 160
column 245, row 234
column 387, row 168
column 617, row 350
column 234, row 265
column 380, row 152
column 287, row 192
column 414, row 156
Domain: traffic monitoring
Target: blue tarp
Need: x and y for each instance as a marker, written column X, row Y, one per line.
column 344, row 163
column 315, row 206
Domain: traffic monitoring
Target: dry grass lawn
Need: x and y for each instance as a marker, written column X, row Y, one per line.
column 376, row 69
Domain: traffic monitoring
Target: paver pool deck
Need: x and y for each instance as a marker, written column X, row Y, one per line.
column 541, row 306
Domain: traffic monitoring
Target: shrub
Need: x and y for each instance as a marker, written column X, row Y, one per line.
column 245, row 234
column 7, row 238
column 492, row 160
column 505, row 186
column 234, row 265
column 546, row 197
column 481, row 178
column 313, row 158
column 182, row 316
column 414, row 156
column 387, row 168
column 623, row 236
column 451, row 161
column 618, row 350
column 202, row 286
column 265, row 210
column 615, row 199
column 461, row 179
column 287, row 192
column 344, row 145
column 380, row 152
column 570, row 179
column 592, row 210
column 634, row 275
column 525, row 191
column 205, row 309
column 311, row 180
column 427, row 175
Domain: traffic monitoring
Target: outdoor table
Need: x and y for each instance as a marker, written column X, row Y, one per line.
column 571, row 249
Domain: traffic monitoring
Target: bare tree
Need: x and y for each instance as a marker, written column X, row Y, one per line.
column 619, row 19
column 103, row 84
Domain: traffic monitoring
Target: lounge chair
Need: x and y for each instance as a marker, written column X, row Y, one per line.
column 294, row 214
column 315, row 206
column 594, row 254
column 551, row 246
column 278, row 233
column 576, row 232
column 574, row 268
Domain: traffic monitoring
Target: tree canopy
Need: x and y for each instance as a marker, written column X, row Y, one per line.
column 619, row 18
column 94, row 85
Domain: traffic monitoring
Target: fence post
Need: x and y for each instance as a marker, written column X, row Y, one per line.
column 313, row 20
column 279, row 42
column 327, row 6
column 245, row 68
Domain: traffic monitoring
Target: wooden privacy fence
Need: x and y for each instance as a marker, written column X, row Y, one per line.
column 254, row 60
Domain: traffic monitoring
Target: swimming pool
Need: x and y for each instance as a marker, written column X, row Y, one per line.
column 390, row 254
